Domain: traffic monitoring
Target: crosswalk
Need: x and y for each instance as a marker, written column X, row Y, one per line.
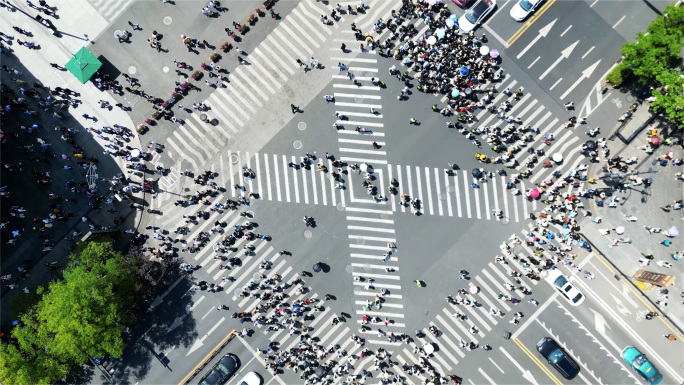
column 479, row 325
column 370, row 225
column 251, row 87
column 110, row 9
column 233, row 281
column 439, row 193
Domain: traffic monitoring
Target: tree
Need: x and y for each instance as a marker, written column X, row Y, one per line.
column 670, row 97
column 80, row 317
column 658, row 48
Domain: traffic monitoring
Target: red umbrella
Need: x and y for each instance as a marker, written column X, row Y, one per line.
column 534, row 193
column 655, row 140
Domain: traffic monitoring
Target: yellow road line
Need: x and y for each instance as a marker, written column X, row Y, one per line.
column 536, row 361
column 640, row 298
column 529, row 23
column 192, row 373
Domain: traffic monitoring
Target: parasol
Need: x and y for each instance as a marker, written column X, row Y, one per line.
column 557, row 157
column 474, row 290
column 455, row 92
column 494, row 53
column 620, row 230
column 440, row 33
column 484, row 50
column 591, row 145
column 534, row 193
column 432, row 40
column 673, row 231
column 450, row 23
column 655, row 140
column 477, row 173
column 135, row 153
column 317, row 267
column 464, row 71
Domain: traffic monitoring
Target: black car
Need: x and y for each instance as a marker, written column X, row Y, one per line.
column 222, row 371
column 557, row 357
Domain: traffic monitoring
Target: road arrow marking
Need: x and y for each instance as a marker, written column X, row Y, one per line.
column 600, row 322
column 198, row 344
column 157, row 301
column 525, row 373
column 177, row 322
column 621, row 308
column 585, row 75
column 564, row 55
column 542, row 33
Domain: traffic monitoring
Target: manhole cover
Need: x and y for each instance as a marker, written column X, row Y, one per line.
column 442, row 196
column 301, row 126
column 384, row 215
column 168, row 20
column 340, row 207
column 132, row 70
column 308, row 234
column 297, row 144
column 358, row 289
column 256, row 277
column 233, row 158
column 165, row 69
column 451, row 189
column 358, row 99
column 348, row 268
column 367, row 266
column 361, row 240
column 237, row 292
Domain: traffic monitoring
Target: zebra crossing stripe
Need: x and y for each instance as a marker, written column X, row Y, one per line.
column 286, row 172
column 477, row 200
column 448, row 195
column 438, row 189
column 467, row 196
column 304, row 186
column 294, row 179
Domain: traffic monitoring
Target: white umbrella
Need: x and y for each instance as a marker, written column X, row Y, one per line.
column 484, row 50
column 432, row 40
column 474, row 290
column 135, row 153
column 557, row 157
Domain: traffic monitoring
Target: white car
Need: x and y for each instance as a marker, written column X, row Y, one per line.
column 251, row 378
column 523, row 8
column 563, row 285
column 474, row 16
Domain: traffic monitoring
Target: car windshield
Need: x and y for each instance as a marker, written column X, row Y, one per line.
column 476, row 11
column 577, row 298
column 560, row 282
column 525, row 5
column 639, row 360
column 555, row 356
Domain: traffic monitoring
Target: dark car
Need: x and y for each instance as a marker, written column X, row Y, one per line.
column 222, row 371
column 557, row 357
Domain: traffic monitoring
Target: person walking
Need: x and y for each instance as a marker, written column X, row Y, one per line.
column 134, row 26
column 294, row 108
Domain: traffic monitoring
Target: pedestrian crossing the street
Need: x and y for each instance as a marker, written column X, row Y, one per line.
column 377, row 288
column 463, row 327
column 110, row 9
column 440, row 194
column 319, row 325
column 272, row 64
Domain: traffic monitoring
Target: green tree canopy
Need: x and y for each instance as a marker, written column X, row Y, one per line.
column 670, row 97
column 80, row 317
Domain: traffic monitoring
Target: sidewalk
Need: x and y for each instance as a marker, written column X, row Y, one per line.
column 36, row 64
column 645, row 203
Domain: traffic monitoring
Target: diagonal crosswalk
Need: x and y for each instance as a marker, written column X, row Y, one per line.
column 252, row 86
column 110, row 9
